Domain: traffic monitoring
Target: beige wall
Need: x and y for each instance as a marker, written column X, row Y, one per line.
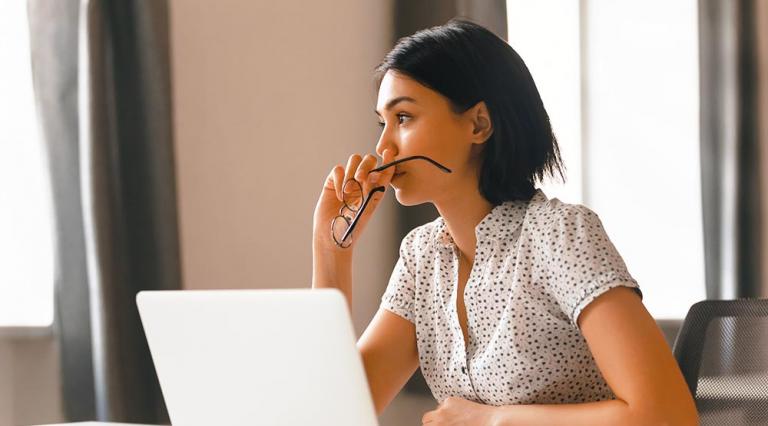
column 6, row 384
column 29, row 381
column 268, row 96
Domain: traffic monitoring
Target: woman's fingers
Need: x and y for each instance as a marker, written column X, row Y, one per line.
column 386, row 174
column 359, row 168
column 349, row 174
column 361, row 175
column 338, row 180
column 352, row 164
column 383, row 177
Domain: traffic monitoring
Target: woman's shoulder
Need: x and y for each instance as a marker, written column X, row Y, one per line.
column 428, row 238
column 423, row 237
column 553, row 223
column 553, row 213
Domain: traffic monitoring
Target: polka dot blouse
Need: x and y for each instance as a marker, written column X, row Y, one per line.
column 537, row 264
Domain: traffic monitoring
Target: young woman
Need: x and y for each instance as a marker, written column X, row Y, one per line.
column 517, row 308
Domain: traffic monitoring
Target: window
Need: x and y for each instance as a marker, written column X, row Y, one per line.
column 552, row 57
column 26, row 221
column 632, row 67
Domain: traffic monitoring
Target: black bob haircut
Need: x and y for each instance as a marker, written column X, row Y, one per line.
column 467, row 63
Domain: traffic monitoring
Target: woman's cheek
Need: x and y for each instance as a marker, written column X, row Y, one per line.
column 408, row 144
column 414, row 139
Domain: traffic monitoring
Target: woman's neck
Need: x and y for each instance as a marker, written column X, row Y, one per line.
column 462, row 213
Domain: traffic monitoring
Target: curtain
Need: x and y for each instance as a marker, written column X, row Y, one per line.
column 733, row 165
column 53, row 45
column 102, row 81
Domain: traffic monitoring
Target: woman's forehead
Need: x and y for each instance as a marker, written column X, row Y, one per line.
column 396, row 86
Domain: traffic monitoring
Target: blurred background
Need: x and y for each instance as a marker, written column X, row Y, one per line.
column 182, row 144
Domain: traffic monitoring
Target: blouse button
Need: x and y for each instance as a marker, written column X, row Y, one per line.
column 464, row 369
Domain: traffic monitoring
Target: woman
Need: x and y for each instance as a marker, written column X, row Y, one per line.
column 517, row 308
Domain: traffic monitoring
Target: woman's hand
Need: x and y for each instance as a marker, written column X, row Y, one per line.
column 331, row 200
column 455, row 411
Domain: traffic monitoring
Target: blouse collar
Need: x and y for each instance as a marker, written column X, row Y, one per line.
column 503, row 218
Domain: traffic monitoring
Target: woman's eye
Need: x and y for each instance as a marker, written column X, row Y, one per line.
column 399, row 119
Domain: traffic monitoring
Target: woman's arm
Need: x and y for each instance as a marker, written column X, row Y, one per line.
column 635, row 361
column 388, row 345
column 332, row 270
column 390, row 356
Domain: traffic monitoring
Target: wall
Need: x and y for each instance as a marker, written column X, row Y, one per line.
column 268, row 97
column 6, row 384
column 29, row 381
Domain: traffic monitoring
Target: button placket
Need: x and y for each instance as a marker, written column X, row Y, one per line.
column 455, row 319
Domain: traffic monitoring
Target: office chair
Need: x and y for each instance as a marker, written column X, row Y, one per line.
column 722, row 350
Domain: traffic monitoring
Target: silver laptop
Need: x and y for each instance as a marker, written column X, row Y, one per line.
column 256, row 357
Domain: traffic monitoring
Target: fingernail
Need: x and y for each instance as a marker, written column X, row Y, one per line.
column 373, row 177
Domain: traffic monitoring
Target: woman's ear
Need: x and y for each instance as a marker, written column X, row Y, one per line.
column 482, row 128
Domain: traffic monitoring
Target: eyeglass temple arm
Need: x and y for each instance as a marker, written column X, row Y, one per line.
column 415, row 157
column 360, row 213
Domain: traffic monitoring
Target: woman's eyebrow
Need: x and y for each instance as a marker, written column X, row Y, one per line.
column 392, row 102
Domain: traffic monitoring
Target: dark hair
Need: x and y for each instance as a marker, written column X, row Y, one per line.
column 467, row 63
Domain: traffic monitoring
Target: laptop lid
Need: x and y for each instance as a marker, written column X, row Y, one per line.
column 256, row 357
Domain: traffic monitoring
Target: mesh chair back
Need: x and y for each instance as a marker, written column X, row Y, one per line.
column 722, row 350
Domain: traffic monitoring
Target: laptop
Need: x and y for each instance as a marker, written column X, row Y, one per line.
column 256, row 357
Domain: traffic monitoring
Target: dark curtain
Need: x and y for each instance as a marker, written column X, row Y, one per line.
column 733, row 190
column 410, row 16
column 53, row 42
column 102, row 81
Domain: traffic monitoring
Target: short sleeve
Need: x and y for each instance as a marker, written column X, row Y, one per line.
column 400, row 293
column 583, row 262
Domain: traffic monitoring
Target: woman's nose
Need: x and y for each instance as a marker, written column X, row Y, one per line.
column 385, row 142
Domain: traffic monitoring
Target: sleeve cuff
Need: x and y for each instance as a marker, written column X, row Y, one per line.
column 397, row 309
column 601, row 286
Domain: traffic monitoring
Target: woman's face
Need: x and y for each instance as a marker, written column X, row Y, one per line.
column 416, row 120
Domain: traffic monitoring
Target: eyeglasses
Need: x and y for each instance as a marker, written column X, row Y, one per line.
column 354, row 202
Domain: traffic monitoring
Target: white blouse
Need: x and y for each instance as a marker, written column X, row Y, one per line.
column 537, row 265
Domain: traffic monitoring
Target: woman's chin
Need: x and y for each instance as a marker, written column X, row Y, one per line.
column 405, row 200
